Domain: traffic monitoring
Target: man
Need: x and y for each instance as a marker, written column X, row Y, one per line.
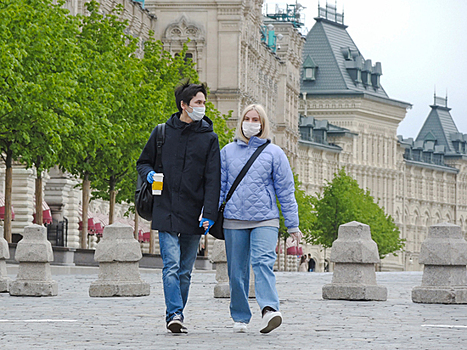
column 311, row 263
column 191, row 185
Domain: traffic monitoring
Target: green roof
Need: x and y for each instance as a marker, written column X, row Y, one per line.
column 440, row 126
column 325, row 44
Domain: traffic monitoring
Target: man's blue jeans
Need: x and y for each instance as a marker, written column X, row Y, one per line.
column 257, row 245
column 178, row 253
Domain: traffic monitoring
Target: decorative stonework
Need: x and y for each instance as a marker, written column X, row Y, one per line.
column 444, row 255
column 182, row 29
column 34, row 254
column 4, row 254
column 118, row 254
column 355, row 255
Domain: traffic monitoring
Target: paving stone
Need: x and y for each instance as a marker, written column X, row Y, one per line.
column 310, row 322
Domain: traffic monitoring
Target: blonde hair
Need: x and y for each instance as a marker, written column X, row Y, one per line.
column 264, row 134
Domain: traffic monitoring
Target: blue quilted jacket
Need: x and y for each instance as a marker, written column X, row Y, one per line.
column 269, row 176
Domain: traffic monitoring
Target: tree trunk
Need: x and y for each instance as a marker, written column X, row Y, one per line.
column 206, row 241
column 113, row 195
column 85, row 206
column 285, row 254
column 152, row 247
column 38, row 192
column 135, row 232
column 8, row 191
column 279, row 253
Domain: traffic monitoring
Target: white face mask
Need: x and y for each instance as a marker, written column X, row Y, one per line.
column 197, row 114
column 251, row 129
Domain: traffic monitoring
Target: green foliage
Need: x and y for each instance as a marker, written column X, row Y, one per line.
column 305, row 211
column 37, row 79
column 80, row 93
column 343, row 201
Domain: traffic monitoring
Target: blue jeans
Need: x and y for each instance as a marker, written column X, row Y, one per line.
column 257, row 245
column 178, row 253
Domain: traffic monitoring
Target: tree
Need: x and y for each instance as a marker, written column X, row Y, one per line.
column 39, row 54
column 145, row 97
column 343, row 201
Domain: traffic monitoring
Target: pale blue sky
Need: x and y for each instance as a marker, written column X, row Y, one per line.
column 420, row 44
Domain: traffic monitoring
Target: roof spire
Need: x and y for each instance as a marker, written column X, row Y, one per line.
column 330, row 13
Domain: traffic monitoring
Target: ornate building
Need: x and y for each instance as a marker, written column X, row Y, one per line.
column 229, row 44
column 327, row 107
column 349, row 120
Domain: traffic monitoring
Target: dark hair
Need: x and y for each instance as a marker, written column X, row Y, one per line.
column 186, row 91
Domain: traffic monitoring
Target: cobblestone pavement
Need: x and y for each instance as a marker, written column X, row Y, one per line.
column 73, row 320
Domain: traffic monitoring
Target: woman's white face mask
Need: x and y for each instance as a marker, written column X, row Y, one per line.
column 250, row 129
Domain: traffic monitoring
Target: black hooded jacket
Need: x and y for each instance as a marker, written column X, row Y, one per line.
column 191, row 167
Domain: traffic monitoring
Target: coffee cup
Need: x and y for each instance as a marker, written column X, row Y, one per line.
column 157, row 184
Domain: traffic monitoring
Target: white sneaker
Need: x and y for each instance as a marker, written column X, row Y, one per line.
column 271, row 320
column 240, row 327
column 176, row 325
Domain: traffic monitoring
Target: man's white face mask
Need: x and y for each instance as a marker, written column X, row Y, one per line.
column 251, row 129
column 197, row 114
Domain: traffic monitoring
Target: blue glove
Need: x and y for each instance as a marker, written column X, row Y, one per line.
column 210, row 224
column 150, row 176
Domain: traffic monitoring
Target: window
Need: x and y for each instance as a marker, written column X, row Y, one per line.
column 309, row 74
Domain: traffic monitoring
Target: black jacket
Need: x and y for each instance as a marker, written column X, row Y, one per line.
column 191, row 167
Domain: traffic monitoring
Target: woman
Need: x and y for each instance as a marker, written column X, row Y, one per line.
column 303, row 267
column 251, row 217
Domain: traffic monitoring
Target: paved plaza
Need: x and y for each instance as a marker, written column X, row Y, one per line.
column 73, row 320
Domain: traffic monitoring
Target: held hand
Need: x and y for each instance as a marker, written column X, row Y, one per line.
column 206, row 224
column 296, row 236
column 150, row 176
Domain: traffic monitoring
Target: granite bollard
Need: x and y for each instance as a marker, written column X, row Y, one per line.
column 219, row 257
column 118, row 254
column 222, row 288
column 34, row 254
column 444, row 254
column 355, row 255
column 4, row 254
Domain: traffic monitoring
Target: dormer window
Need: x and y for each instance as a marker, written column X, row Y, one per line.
column 367, row 70
column 309, row 69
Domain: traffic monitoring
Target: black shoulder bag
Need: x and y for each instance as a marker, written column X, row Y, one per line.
column 143, row 193
column 216, row 230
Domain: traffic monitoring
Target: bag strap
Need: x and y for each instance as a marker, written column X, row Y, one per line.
column 160, row 139
column 245, row 169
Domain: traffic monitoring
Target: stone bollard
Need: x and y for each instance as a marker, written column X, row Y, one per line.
column 4, row 254
column 118, row 254
column 444, row 254
column 222, row 288
column 355, row 255
column 34, row 254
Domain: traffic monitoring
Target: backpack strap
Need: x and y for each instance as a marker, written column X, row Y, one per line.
column 160, row 139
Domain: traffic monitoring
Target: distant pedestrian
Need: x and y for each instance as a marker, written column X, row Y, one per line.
column 311, row 264
column 252, row 218
column 303, row 267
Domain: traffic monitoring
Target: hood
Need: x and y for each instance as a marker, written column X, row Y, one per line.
column 254, row 142
column 204, row 125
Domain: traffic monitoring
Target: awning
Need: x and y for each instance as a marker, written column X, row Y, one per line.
column 46, row 214
column 2, row 208
column 144, row 232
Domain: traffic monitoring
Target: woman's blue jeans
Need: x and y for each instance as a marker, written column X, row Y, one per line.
column 257, row 245
column 178, row 253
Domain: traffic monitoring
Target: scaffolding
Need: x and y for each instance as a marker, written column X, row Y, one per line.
column 291, row 14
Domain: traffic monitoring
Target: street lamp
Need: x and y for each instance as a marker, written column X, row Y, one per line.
column 269, row 37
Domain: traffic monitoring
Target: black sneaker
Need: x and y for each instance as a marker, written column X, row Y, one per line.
column 176, row 325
